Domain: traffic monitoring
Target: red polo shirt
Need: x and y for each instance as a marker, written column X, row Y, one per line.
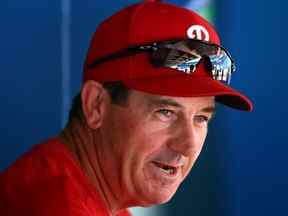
column 48, row 181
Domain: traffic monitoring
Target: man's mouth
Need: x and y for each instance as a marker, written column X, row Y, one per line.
column 168, row 169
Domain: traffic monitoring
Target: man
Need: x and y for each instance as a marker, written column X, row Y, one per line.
column 151, row 79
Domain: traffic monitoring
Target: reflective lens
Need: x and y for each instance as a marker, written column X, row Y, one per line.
column 185, row 55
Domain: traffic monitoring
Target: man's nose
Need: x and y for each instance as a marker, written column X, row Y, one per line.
column 187, row 140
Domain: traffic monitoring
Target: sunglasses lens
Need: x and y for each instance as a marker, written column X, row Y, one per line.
column 185, row 55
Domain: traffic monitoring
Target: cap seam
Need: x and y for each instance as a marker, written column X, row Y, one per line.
column 131, row 29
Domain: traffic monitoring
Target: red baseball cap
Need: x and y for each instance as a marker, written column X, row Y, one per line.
column 153, row 21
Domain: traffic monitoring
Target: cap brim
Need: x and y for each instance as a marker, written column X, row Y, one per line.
column 189, row 86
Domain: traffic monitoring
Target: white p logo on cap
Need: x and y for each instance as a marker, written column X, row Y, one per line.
column 198, row 32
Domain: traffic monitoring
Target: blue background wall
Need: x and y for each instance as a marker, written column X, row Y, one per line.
column 242, row 169
column 255, row 32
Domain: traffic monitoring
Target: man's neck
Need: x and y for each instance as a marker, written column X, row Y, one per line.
column 81, row 141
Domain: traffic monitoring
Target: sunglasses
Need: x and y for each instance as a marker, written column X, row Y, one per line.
column 183, row 56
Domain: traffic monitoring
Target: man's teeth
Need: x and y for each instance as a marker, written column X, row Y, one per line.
column 168, row 170
column 165, row 168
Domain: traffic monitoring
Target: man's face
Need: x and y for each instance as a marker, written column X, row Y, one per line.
column 150, row 144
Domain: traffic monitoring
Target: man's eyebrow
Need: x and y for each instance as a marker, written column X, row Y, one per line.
column 171, row 102
column 165, row 102
column 209, row 109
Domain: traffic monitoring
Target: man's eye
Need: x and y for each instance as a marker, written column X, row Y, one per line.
column 202, row 119
column 165, row 114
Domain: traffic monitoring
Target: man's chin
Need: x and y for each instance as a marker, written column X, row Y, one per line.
column 157, row 198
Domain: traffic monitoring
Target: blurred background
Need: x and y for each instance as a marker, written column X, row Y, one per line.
column 243, row 167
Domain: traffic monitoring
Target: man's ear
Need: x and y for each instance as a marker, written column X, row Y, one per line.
column 94, row 103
